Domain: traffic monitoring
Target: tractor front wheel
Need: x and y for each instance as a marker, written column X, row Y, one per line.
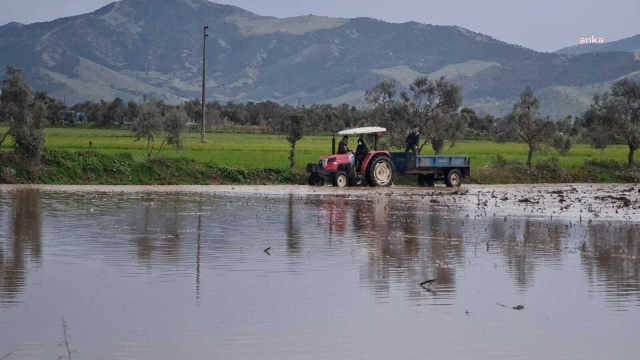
column 380, row 172
column 316, row 180
column 340, row 179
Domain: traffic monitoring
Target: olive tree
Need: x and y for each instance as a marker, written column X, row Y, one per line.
column 527, row 125
column 174, row 124
column 24, row 114
column 390, row 110
column 294, row 125
column 434, row 106
column 615, row 117
column 151, row 124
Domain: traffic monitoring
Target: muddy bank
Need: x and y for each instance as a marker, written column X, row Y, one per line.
column 581, row 202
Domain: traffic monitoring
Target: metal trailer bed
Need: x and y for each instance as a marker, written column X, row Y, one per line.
column 429, row 168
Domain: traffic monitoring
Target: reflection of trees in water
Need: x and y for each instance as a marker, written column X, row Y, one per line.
column 403, row 242
column 526, row 243
column 611, row 255
column 26, row 238
column 157, row 225
column 446, row 247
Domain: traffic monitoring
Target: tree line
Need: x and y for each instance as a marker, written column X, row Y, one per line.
column 433, row 104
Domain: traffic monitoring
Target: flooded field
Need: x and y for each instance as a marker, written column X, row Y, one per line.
column 223, row 272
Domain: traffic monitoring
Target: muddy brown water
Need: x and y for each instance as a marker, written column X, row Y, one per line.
column 181, row 272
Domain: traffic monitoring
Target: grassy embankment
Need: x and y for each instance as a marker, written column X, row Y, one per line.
column 113, row 157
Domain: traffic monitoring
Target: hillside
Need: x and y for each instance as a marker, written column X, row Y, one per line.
column 630, row 44
column 141, row 48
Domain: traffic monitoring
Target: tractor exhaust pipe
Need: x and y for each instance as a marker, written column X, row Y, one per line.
column 333, row 143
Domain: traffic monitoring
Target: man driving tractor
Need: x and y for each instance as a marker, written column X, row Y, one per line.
column 343, row 147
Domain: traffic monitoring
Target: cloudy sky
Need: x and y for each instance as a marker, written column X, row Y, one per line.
column 543, row 25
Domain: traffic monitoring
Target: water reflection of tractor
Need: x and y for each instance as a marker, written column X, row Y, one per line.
column 379, row 167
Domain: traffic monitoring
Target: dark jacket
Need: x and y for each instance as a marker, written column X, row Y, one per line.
column 343, row 148
column 413, row 141
column 362, row 148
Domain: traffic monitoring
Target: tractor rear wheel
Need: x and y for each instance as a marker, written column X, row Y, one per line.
column 380, row 172
column 426, row 180
column 340, row 179
column 454, row 178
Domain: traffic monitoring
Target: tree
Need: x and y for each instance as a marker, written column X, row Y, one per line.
column 525, row 123
column 174, row 124
column 57, row 112
column 115, row 112
column 24, row 113
column 152, row 124
column 389, row 111
column 148, row 125
column 483, row 126
column 193, row 109
column 295, row 125
column 615, row 117
column 563, row 139
column 435, row 108
column 382, row 96
column 133, row 111
column 97, row 113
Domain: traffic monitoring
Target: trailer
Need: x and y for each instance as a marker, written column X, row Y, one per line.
column 429, row 169
column 379, row 167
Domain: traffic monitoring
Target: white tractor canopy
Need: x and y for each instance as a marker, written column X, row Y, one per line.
column 363, row 130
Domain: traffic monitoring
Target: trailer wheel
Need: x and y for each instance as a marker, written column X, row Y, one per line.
column 380, row 172
column 340, row 179
column 426, row 180
column 316, row 180
column 454, row 178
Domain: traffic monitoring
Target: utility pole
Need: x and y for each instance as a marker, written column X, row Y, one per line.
column 204, row 81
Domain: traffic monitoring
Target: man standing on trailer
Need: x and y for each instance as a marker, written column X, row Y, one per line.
column 412, row 143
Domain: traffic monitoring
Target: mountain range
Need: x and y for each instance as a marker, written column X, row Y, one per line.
column 135, row 49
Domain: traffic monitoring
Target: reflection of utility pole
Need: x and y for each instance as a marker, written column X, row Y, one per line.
column 204, row 80
column 293, row 239
column 198, row 250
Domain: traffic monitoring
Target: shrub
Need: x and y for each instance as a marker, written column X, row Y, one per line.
column 630, row 174
column 8, row 175
column 603, row 164
column 549, row 170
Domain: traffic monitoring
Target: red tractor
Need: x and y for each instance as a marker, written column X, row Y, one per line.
column 355, row 168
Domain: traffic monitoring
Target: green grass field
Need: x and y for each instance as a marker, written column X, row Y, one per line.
column 271, row 151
